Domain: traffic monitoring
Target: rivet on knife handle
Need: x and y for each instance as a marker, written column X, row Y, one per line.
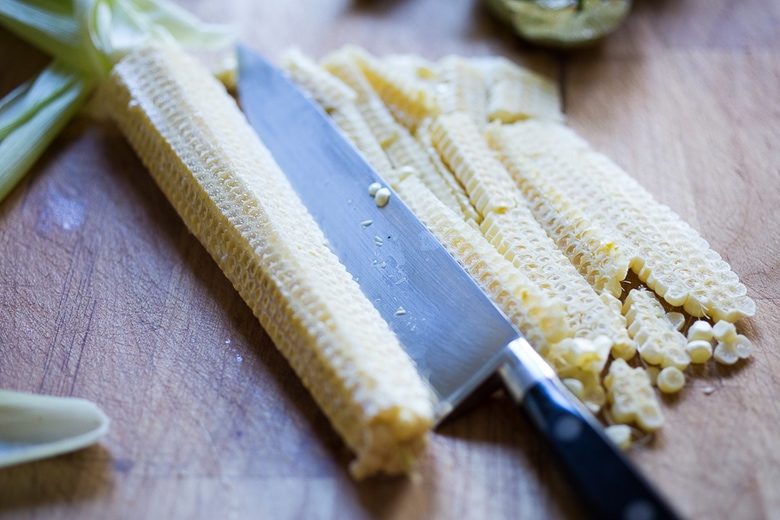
column 604, row 478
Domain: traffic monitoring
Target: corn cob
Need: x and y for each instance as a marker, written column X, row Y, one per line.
column 666, row 253
column 462, row 146
column 512, row 229
column 461, row 88
column 410, row 101
column 423, row 136
column 339, row 100
column 515, row 93
column 410, row 65
column 329, row 91
column 541, row 319
column 235, row 199
column 520, row 238
column 398, row 144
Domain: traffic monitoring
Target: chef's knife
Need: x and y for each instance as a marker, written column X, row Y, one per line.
column 456, row 336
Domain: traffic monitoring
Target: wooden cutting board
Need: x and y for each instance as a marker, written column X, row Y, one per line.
column 105, row 295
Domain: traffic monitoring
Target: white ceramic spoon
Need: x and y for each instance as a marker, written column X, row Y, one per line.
column 38, row 426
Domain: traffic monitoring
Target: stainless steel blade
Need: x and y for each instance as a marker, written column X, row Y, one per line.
column 445, row 322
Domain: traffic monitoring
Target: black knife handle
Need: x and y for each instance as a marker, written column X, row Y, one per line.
column 605, row 479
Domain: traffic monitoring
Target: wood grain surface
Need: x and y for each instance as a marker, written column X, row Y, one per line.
column 105, row 295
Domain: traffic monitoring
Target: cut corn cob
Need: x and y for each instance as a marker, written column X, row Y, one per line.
column 666, row 253
column 235, row 199
column 516, row 93
column 410, row 65
column 520, row 238
column 354, row 126
column 510, row 227
column 400, row 147
column 423, row 136
column 658, row 341
column 541, row 320
column 339, row 100
column 461, row 88
column 410, row 101
column 329, row 91
column 462, row 146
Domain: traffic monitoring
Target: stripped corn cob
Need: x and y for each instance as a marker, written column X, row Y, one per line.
column 520, row 238
column 400, row 147
column 464, row 149
column 595, row 253
column 235, row 199
column 410, row 101
column 516, row 93
column 541, row 320
column 423, row 136
column 511, row 228
column 461, row 88
column 666, row 253
column 329, row 91
column 410, row 65
column 339, row 100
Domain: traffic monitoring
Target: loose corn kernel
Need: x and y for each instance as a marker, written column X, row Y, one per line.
column 699, row 350
column 670, row 380
column 382, row 197
column 620, row 434
column 724, row 331
column 574, row 386
column 700, row 330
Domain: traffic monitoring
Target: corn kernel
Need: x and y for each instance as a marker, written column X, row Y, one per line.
column 670, row 380
column 699, row 350
column 700, row 330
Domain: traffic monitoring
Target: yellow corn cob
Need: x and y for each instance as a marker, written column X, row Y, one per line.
column 406, row 151
column 343, row 65
column 595, row 251
column 409, row 100
column 518, row 236
column 510, row 227
column 354, row 126
column 235, row 199
column 666, row 253
column 658, row 341
column 400, row 147
column 329, row 91
column 339, row 100
column 423, row 136
column 462, row 88
column 462, row 146
column 632, row 397
column 516, row 93
column 541, row 319
column 539, row 314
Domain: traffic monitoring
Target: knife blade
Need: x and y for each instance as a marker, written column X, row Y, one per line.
column 448, row 326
